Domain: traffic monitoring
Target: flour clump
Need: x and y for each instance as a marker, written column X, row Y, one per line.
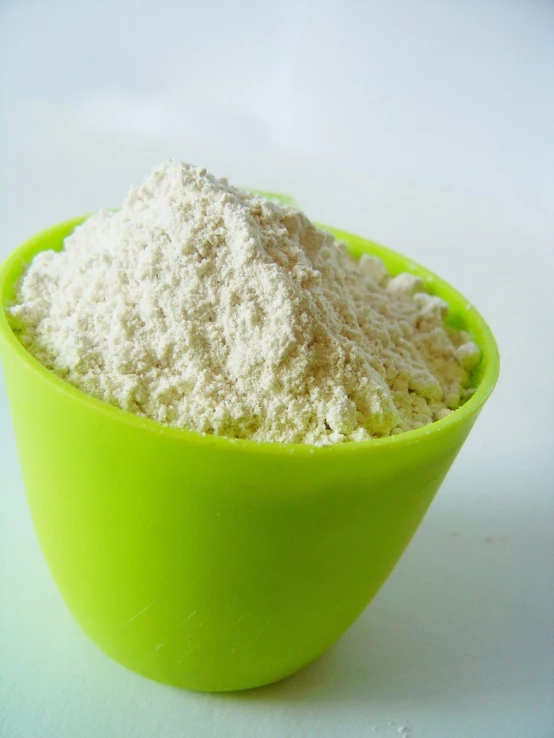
column 206, row 307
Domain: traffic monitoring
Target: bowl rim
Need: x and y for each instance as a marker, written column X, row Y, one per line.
column 10, row 273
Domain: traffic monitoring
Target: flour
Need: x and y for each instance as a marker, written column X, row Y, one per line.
column 209, row 308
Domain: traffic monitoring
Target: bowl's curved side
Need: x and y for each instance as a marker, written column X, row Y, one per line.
column 203, row 567
column 197, row 561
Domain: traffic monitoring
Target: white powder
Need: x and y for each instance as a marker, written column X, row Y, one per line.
column 209, row 308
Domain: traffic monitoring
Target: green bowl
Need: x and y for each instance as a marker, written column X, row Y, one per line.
column 211, row 563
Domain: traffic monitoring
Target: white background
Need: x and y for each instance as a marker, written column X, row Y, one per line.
column 426, row 125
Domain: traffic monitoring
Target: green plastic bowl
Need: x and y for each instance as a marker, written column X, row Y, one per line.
column 206, row 562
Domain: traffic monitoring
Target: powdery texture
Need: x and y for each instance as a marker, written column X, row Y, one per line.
column 209, row 308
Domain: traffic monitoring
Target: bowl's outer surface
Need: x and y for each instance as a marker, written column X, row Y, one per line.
column 207, row 563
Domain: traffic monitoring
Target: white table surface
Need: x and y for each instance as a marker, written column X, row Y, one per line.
column 454, row 96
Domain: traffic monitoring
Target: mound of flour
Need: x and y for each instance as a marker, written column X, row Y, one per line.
column 209, row 308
